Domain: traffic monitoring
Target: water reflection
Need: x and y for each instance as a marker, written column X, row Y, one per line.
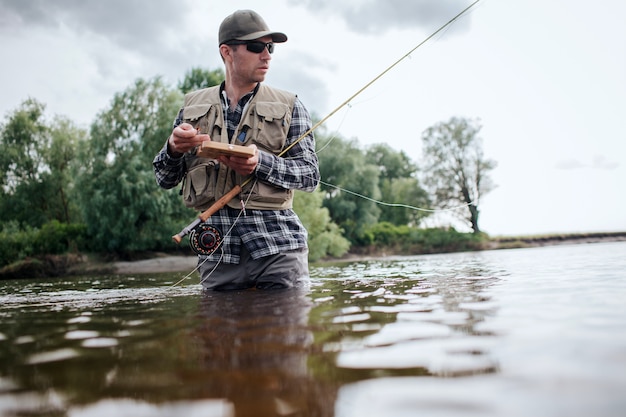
column 155, row 350
column 84, row 348
column 254, row 349
column 486, row 334
column 413, row 319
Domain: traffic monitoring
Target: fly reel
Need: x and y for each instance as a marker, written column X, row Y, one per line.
column 204, row 239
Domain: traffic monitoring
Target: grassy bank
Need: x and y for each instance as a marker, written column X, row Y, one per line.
column 506, row 242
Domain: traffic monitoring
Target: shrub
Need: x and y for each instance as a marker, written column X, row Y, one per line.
column 436, row 240
column 15, row 244
column 54, row 237
column 387, row 234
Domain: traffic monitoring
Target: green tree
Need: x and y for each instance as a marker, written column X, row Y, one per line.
column 24, row 137
column 399, row 186
column 62, row 161
column 343, row 164
column 38, row 166
column 198, row 78
column 122, row 205
column 325, row 238
column 455, row 169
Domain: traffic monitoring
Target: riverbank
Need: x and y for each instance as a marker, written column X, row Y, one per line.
column 188, row 263
column 76, row 264
column 505, row 242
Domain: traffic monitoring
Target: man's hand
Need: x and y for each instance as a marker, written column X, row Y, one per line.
column 242, row 166
column 184, row 138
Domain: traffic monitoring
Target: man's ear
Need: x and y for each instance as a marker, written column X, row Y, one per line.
column 225, row 51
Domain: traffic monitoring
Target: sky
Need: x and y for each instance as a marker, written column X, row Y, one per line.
column 546, row 80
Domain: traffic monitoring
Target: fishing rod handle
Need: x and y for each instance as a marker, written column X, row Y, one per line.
column 204, row 216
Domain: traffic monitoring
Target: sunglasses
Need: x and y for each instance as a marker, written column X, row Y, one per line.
column 254, row 46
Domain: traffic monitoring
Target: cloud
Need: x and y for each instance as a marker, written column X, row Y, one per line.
column 601, row 162
column 132, row 24
column 569, row 164
column 122, row 38
column 598, row 162
column 379, row 16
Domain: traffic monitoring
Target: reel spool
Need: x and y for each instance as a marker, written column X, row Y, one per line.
column 204, row 239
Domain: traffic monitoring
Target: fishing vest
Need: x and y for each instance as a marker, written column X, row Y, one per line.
column 265, row 122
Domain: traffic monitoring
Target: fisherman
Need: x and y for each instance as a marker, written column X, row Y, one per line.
column 256, row 240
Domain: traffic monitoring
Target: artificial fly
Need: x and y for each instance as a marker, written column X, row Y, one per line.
column 208, row 235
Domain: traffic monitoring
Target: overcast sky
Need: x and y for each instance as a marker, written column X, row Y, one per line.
column 547, row 79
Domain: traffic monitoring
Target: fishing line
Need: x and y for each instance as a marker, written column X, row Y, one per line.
column 196, row 269
column 203, row 217
column 219, row 246
column 389, row 68
column 186, row 230
column 382, row 203
column 228, row 232
column 336, row 134
column 347, row 103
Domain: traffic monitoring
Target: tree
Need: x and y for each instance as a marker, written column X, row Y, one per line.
column 24, row 137
column 324, row 235
column 198, row 78
column 343, row 164
column 38, row 166
column 455, row 169
column 122, row 205
column 398, row 184
column 66, row 140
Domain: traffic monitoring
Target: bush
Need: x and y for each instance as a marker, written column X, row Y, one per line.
column 387, row 234
column 327, row 244
column 409, row 240
column 436, row 240
column 15, row 244
column 53, row 238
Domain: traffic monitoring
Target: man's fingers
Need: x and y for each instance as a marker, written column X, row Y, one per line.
column 187, row 131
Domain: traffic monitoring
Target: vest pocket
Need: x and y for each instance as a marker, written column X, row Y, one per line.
column 268, row 197
column 199, row 186
column 273, row 125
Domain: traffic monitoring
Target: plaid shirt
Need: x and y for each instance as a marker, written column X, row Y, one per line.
column 264, row 232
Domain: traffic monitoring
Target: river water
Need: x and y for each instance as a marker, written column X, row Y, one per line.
column 521, row 332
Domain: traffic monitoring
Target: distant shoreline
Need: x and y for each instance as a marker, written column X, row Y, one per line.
column 188, row 263
column 77, row 264
column 556, row 239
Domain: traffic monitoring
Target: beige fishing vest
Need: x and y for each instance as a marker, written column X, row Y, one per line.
column 265, row 122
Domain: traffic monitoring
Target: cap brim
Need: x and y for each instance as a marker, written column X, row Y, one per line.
column 277, row 37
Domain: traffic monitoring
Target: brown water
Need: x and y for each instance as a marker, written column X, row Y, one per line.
column 521, row 332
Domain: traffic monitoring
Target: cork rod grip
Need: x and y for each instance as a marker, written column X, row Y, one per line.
column 204, row 216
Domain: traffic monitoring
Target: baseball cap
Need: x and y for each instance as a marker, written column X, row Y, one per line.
column 246, row 25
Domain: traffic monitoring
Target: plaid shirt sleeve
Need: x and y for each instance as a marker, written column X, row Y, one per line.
column 298, row 169
column 168, row 170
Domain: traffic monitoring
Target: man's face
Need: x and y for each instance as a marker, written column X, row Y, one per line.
column 252, row 66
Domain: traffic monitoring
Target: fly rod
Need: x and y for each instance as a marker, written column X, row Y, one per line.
column 205, row 215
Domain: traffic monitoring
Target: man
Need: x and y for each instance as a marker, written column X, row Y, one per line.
column 263, row 242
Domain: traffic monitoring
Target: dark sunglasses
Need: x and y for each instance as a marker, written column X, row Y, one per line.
column 254, row 46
